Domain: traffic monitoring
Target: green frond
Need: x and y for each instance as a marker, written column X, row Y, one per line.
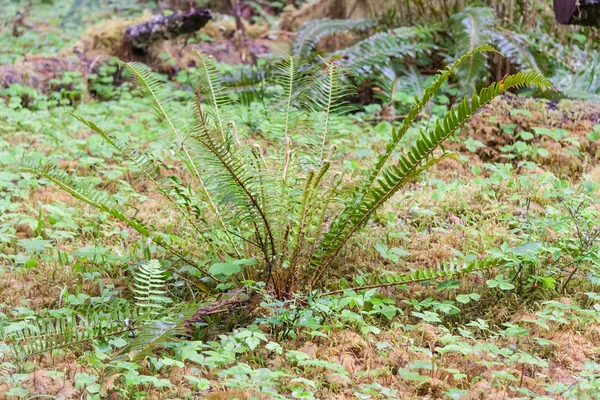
column 210, row 88
column 81, row 191
column 314, row 30
column 211, row 85
column 418, row 158
column 293, row 76
column 377, row 50
column 150, row 168
column 447, row 269
column 97, row 199
column 471, row 28
column 234, row 178
column 149, row 287
column 42, row 335
column 416, row 109
column 153, row 90
column 328, row 98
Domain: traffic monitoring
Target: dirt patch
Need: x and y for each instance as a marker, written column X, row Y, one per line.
column 501, row 125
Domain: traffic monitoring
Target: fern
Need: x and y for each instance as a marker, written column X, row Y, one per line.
column 314, row 30
column 278, row 203
column 377, row 50
column 150, row 289
column 98, row 199
column 42, row 335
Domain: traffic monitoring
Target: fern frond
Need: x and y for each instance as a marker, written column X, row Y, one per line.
column 153, row 90
column 292, row 76
column 99, row 200
column 328, row 99
column 418, row 158
column 471, row 28
column 149, row 288
column 314, row 30
column 447, row 269
column 43, row 335
column 150, row 169
column 377, row 50
column 80, row 191
column 210, row 87
column 233, row 177
column 416, row 109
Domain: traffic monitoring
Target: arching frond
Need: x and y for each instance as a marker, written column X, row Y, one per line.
column 153, row 90
column 43, row 335
column 99, row 200
column 411, row 163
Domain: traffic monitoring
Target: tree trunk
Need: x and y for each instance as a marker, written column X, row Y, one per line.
column 141, row 36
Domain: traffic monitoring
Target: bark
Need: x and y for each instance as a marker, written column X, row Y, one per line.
column 142, row 36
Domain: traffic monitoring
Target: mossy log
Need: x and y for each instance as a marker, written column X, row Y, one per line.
column 141, row 36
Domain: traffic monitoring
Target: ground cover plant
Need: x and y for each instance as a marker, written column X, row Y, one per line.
column 405, row 205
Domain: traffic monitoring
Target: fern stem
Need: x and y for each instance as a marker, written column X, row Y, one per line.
column 299, row 230
column 331, row 81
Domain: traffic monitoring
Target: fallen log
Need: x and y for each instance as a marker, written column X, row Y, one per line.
column 127, row 41
column 142, row 36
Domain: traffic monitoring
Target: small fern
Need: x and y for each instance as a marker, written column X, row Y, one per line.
column 376, row 51
column 149, row 287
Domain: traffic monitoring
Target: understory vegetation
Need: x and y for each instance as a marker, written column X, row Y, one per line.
column 399, row 205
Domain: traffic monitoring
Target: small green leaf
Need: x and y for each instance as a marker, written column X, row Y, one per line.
column 594, row 135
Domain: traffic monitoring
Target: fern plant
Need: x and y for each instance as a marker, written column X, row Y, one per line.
column 149, row 289
column 288, row 209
